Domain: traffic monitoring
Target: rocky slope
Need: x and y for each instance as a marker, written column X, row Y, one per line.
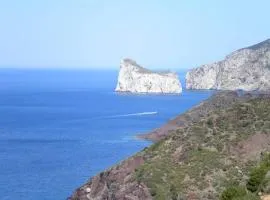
column 212, row 146
column 247, row 69
column 136, row 79
column 221, row 100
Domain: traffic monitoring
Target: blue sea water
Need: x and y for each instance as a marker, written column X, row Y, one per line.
column 60, row 127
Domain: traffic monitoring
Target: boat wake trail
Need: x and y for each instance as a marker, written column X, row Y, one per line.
column 118, row 116
column 132, row 114
column 126, row 115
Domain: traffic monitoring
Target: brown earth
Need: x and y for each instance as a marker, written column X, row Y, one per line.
column 116, row 183
column 265, row 197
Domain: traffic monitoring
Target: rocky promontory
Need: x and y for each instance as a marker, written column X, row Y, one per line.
column 246, row 69
column 136, row 79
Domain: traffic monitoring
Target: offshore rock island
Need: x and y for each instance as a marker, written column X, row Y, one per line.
column 246, row 69
column 136, row 79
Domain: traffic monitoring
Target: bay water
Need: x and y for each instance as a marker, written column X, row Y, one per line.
column 60, row 127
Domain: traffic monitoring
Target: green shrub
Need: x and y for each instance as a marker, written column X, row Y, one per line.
column 256, row 178
column 257, row 175
column 139, row 175
column 233, row 192
column 209, row 122
column 173, row 192
column 266, row 185
column 153, row 192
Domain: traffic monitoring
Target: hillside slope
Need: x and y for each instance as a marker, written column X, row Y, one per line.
column 197, row 161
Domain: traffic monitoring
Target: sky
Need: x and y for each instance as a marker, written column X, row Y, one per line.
column 169, row 34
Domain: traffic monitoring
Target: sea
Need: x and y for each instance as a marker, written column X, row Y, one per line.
column 59, row 127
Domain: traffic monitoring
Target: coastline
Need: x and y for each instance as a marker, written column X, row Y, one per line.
column 190, row 116
column 122, row 173
column 220, row 99
column 122, row 181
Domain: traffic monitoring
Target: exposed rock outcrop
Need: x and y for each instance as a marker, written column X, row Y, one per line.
column 247, row 69
column 117, row 183
column 136, row 79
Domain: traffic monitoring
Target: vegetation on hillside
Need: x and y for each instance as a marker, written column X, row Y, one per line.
column 258, row 182
column 202, row 160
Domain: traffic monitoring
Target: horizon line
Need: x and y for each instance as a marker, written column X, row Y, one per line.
column 83, row 68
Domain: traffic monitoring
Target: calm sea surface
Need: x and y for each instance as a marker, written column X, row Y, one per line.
column 60, row 127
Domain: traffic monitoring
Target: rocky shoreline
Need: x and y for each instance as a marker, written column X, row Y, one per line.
column 122, row 181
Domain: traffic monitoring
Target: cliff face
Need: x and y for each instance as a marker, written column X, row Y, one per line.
column 221, row 139
column 136, row 79
column 247, row 69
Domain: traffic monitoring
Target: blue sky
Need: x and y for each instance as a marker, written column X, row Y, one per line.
column 156, row 33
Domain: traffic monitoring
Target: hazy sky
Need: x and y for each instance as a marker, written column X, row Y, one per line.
column 156, row 33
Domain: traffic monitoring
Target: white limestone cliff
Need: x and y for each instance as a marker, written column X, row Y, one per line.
column 136, row 79
column 246, row 69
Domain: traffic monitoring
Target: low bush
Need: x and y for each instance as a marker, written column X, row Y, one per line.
column 256, row 178
column 257, row 175
column 233, row 192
